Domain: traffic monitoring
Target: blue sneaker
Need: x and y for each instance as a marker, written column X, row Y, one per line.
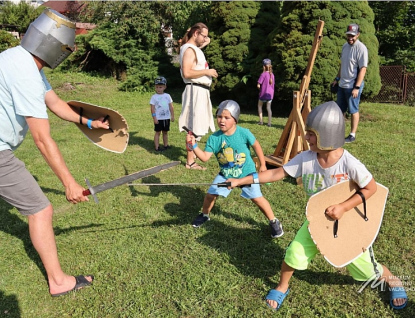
column 200, row 220
column 276, row 228
column 349, row 139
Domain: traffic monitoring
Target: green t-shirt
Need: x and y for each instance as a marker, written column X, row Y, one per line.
column 233, row 152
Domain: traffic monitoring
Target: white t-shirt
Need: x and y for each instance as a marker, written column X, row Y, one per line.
column 315, row 178
column 22, row 94
column 353, row 57
column 161, row 104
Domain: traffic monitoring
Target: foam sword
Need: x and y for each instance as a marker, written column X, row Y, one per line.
column 93, row 190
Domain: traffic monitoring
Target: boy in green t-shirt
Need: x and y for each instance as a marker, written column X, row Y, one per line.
column 231, row 147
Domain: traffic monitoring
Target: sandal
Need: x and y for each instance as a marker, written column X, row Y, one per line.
column 80, row 282
column 260, row 123
column 194, row 166
column 276, row 296
column 395, row 293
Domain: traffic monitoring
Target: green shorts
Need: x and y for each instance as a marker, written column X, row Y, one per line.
column 302, row 250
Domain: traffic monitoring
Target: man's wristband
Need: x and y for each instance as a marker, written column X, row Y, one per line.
column 337, row 79
column 255, row 176
column 89, row 122
column 153, row 114
column 357, row 87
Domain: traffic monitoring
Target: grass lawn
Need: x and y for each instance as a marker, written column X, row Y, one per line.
column 147, row 259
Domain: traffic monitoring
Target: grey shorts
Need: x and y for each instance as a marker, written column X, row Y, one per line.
column 18, row 187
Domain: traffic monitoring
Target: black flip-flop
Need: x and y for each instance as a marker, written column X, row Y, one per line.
column 81, row 282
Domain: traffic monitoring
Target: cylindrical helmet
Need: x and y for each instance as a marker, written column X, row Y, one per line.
column 327, row 122
column 160, row 81
column 51, row 37
column 231, row 106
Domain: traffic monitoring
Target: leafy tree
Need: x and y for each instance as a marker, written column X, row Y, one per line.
column 19, row 14
column 7, row 41
column 395, row 30
column 292, row 41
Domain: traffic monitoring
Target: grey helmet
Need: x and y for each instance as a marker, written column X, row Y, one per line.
column 327, row 122
column 231, row 106
column 160, row 81
column 51, row 37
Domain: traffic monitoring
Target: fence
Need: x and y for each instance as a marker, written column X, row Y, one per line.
column 398, row 86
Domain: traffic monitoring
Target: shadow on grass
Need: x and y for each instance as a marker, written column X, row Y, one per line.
column 12, row 224
column 252, row 251
column 9, row 306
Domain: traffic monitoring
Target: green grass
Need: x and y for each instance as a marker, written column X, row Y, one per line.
column 147, row 259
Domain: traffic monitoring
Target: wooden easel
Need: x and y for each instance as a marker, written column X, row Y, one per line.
column 292, row 140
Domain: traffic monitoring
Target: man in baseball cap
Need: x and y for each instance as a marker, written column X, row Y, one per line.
column 354, row 61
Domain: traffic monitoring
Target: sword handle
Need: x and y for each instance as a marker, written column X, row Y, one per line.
column 86, row 192
column 228, row 184
column 188, row 130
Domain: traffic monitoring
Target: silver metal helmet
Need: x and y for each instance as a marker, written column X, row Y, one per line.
column 160, row 81
column 327, row 122
column 231, row 106
column 51, row 37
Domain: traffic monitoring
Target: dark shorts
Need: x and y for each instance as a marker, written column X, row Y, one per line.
column 18, row 187
column 163, row 125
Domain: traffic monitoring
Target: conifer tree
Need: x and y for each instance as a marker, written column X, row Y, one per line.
column 230, row 31
column 292, row 41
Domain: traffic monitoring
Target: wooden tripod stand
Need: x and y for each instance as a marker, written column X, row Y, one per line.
column 292, row 140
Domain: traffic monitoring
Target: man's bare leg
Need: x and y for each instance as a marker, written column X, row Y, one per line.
column 43, row 239
column 354, row 122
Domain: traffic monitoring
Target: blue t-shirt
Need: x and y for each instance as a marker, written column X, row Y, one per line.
column 22, row 94
column 233, row 152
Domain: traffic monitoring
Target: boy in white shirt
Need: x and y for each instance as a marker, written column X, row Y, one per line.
column 162, row 112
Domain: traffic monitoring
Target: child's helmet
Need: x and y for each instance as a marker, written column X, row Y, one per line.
column 51, row 37
column 160, row 81
column 327, row 122
column 231, row 106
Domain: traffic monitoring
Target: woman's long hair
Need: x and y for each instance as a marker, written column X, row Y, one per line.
column 268, row 68
column 189, row 33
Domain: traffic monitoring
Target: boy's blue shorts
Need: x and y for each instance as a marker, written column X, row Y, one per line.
column 252, row 191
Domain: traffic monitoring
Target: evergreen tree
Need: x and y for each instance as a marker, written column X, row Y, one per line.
column 292, row 41
column 230, row 32
column 126, row 44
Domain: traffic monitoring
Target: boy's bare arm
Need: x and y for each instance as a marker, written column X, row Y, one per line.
column 260, row 154
column 336, row 211
column 171, row 111
column 153, row 113
column 202, row 155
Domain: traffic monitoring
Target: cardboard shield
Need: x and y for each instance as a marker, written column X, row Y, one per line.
column 354, row 234
column 114, row 139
